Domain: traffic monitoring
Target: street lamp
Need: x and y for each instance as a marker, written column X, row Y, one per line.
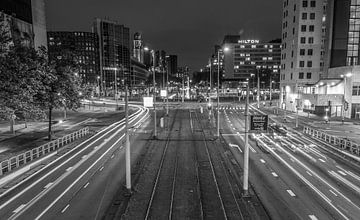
column 344, row 97
column 246, row 152
column 154, row 92
column 98, row 81
column 217, row 89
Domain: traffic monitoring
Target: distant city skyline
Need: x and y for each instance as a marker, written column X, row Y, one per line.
column 186, row 28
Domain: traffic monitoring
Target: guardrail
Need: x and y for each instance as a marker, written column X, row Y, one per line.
column 24, row 158
column 341, row 143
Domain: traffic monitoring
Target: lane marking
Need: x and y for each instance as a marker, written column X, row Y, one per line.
column 101, row 168
column 86, row 185
column 313, row 217
column 291, row 193
column 235, row 146
column 262, row 161
column 84, row 156
column 68, row 169
column 48, row 185
column 19, row 208
column 64, row 209
column 322, row 160
column 309, row 173
column 342, row 173
column 112, row 156
column 275, row 174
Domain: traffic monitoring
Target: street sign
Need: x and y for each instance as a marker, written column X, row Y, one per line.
column 258, row 123
column 163, row 93
column 148, row 102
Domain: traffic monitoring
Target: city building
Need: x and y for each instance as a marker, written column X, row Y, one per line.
column 25, row 21
column 138, row 48
column 114, row 55
column 245, row 58
column 302, row 51
column 84, row 46
column 139, row 76
column 337, row 91
column 171, row 63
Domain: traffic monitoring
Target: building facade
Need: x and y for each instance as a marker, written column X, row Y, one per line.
column 84, row 45
column 248, row 57
column 25, row 21
column 171, row 64
column 302, row 52
column 114, row 54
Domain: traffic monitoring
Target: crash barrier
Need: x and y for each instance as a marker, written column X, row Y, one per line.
column 24, row 158
column 339, row 142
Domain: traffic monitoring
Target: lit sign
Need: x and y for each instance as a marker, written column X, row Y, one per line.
column 163, row 93
column 258, row 123
column 148, row 102
column 248, row 41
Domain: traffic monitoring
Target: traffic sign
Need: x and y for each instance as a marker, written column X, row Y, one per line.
column 258, row 123
column 148, row 102
column 163, row 93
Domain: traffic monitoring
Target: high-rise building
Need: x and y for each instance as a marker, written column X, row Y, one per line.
column 138, row 48
column 84, row 46
column 114, row 51
column 302, row 52
column 247, row 57
column 25, row 21
column 171, row 63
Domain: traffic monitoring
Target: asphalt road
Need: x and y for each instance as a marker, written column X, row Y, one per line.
column 61, row 189
column 294, row 181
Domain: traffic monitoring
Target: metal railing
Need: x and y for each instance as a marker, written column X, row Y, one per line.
column 28, row 156
column 338, row 142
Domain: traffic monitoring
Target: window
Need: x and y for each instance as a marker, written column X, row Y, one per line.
column 301, row 63
column 302, row 52
column 309, row 63
column 312, row 16
column 311, row 40
column 313, row 4
column 310, row 52
column 291, row 76
column 301, row 75
column 304, row 16
column 303, row 28
column 308, row 75
column 355, row 90
column 294, row 19
column 303, row 40
column 292, row 53
column 292, row 65
column 311, row 28
column 305, row 4
column 294, row 7
column 293, row 31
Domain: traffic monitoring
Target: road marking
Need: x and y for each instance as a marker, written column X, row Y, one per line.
column 19, row 208
column 64, row 209
column 86, row 185
column 112, row 156
column 48, row 185
column 252, row 149
column 262, row 161
column 313, row 217
column 274, row 174
column 235, row 146
column 309, row 173
column 322, row 160
column 333, row 192
column 292, row 160
column 101, row 168
column 347, row 182
column 68, row 169
column 84, row 156
column 291, row 192
column 342, row 173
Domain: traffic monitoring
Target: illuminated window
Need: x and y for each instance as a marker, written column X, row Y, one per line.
column 253, row 46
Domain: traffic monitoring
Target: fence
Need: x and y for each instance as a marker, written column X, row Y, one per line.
column 341, row 143
column 16, row 161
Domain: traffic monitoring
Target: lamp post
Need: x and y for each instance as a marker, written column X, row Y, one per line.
column 115, row 87
column 344, row 97
column 154, row 92
column 258, row 88
column 98, row 82
column 217, row 91
column 246, row 152
column 271, row 82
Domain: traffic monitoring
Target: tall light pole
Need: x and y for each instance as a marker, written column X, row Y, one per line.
column 115, row 87
column 246, row 152
column 271, row 82
column 344, row 97
column 127, row 144
column 98, row 82
column 258, row 88
column 154, row 88
column 217, row 90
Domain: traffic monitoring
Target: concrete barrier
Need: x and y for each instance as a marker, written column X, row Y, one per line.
column 24, row 158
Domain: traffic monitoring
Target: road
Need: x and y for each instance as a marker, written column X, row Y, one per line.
column 293, row 176
column 64, row 188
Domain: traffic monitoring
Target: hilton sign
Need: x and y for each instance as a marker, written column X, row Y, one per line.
column 248, row 41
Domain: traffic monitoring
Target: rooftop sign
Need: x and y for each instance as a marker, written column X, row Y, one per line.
column 248, row 41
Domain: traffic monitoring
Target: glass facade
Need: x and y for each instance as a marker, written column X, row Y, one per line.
column 353, row 36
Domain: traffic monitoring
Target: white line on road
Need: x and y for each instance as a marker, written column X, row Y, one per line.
column 67, row 170
column 112, row 156
column 309, row 173
column 262, row 161
column 101, row 168
column 274, row 174
column 64, row 209
column 332, row 192
column 86, row 185
column 291, row 193
column 342, row 173
column 322, row 160
column 84, row 156
column 19, row 208
column 313, row 217
column 48, row 185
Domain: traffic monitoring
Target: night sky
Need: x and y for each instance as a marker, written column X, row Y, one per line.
column 187, row 28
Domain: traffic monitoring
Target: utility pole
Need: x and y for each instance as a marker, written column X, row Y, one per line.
column 246, row 152
column 258, row 89
column 154, row 93
column 167, row 92
column 127, row 145
column 218, row 98
column 115, row 87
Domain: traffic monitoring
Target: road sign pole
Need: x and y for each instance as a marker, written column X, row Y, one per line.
column 246, row 152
